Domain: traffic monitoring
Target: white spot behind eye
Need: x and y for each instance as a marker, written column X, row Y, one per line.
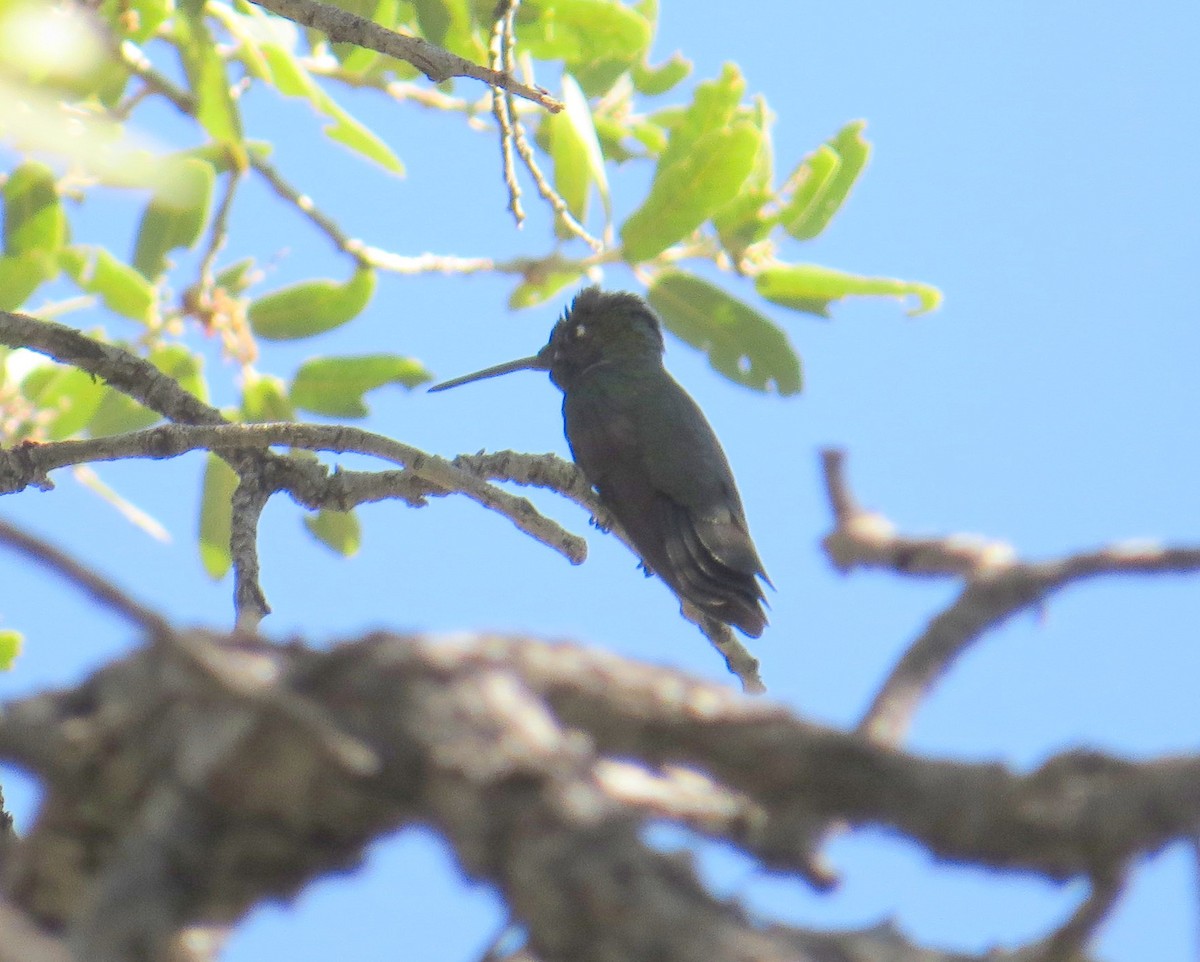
column 580, row 330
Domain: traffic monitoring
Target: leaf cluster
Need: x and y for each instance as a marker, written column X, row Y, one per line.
column 714, row 204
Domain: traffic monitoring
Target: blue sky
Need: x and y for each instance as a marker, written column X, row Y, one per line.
column 1037, row 163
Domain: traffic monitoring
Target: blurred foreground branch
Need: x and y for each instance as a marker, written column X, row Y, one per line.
column 508, row 748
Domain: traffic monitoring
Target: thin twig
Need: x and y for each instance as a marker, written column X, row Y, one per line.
column 502, row 108
column 561, row 209
column 437, row 64
column 739, row 661
column 402, row 91
column 90, row 582
column 139, row 64
column 502, row 48
column 368, row 256
column 218, row 234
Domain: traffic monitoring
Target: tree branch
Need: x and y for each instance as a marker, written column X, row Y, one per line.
column 437, row 64
column 525, row 757
column 90, row 582
column 997, row 585
column 171, row 440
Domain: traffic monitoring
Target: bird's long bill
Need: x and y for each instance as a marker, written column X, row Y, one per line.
column 535, row 363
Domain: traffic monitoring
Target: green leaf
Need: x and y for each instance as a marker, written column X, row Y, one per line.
column 824, row 180
column 653, row 81
column 216, row 517
column 20, row 276
column 264, row 398
column 177, row 362
column 451, row 24
column 650, row 136
column 710, row 154
column 205, row 69
column 596, row 78
column 69, row 395
column 310, row 307
column 810, row 288
column 744, row 220
column 686, row 192
column 338, row 530
column 740, row 343
column 175, row 216
column 530, row 293
column 358, row 60
column 436, row 17
column 581, row 31
column 713, row 107
column 292, row 79
column 572, row 144
column 583, row 131
column 571, row 175
column 335, row 386
column 236, row 277
column 10, row 647
column 121, row 288
column 33, row 217
column 118, row 413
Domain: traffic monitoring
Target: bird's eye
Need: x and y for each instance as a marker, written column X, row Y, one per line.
column 580, row 330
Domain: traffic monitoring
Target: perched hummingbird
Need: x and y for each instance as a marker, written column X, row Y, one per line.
column 647, row 449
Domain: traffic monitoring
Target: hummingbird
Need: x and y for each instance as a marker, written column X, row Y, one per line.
column 647, row 449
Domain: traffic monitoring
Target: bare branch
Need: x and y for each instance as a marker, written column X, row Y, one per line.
column 128, row 373
column 997, row 586
column 168, row 441
column 503, row 108
column 406, row 265
column 249, row 499
column 139, row 64
column 90, row 582
column 558, row 204
column 864, row 539
column 437, row 64
column 739, row 661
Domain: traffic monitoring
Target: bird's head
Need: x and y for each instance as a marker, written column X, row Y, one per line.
column 599, row 328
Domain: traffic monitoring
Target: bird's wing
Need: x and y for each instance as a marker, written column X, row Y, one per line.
column 660, row 470
column 707, row 491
